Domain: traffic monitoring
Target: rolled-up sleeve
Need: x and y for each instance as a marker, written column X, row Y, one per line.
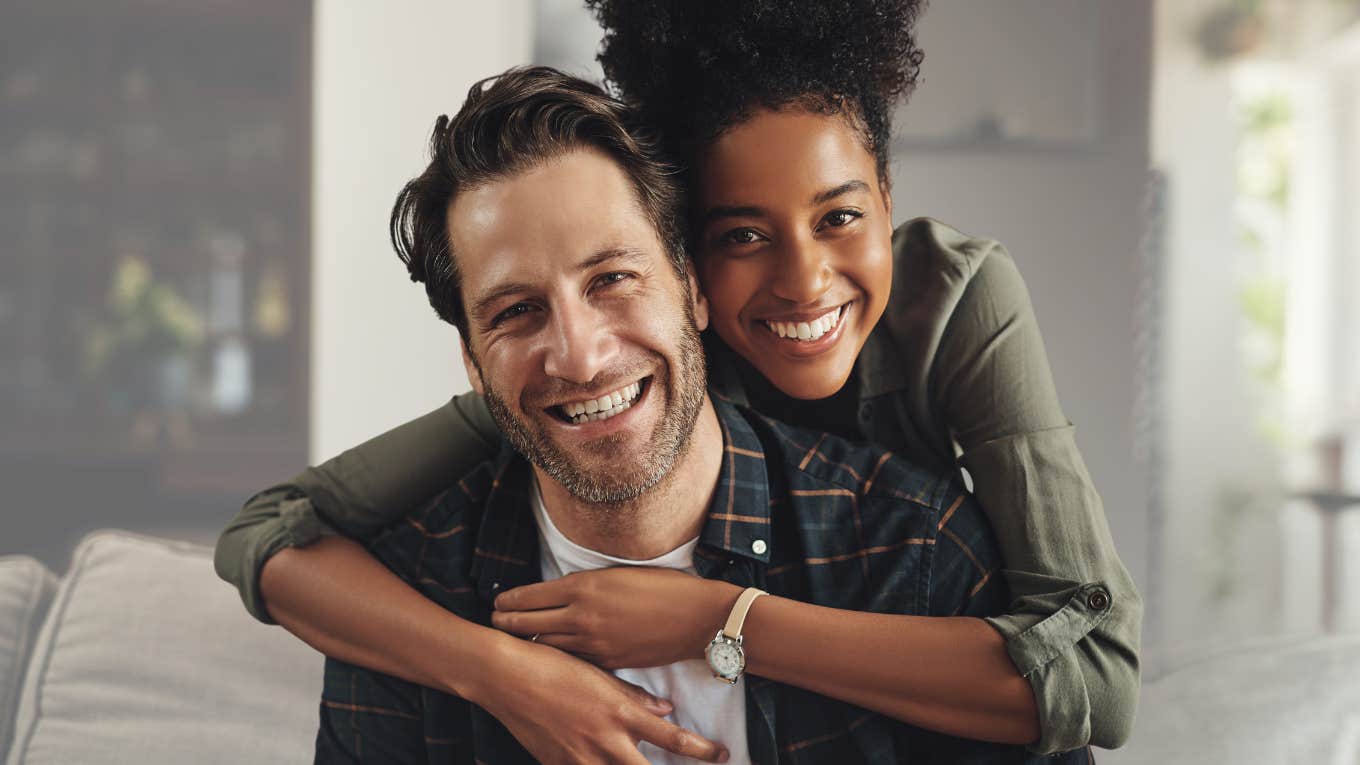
column 1073, row 627
column 1075, row 617
column 356, row 494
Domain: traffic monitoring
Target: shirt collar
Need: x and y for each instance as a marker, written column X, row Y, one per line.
column 738, row 517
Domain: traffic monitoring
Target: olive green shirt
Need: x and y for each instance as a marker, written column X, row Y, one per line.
column 954, row 375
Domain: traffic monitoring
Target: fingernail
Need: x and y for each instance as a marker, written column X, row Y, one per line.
column 722, row 755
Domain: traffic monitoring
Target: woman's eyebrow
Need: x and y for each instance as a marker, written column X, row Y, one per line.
column 732, row 211
column 822, row 197
column 750, row 211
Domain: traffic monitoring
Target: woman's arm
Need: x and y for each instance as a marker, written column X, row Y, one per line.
column 357, row 493
column 947, row 674
column 1073, row 627
column 339, row 599
column 343, row 602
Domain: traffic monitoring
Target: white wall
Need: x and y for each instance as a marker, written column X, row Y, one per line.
column 383, row 72
column 1071, row 216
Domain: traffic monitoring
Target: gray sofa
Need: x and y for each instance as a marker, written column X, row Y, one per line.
column 140, row 655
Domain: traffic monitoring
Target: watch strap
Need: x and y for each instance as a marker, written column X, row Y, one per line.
column 737, row 618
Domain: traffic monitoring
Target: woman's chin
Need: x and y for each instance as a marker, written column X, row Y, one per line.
column 807, row 381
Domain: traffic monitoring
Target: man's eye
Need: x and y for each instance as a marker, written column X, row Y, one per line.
column 839, row 218
column 740, row 236
column 613, row 277
column 518, row 309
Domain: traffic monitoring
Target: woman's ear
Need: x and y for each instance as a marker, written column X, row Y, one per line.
column 699, row 301
column 474, row 372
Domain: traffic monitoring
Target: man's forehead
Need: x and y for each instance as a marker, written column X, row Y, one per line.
column 554, row 217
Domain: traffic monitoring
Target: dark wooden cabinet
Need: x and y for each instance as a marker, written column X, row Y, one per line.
column 154, row 258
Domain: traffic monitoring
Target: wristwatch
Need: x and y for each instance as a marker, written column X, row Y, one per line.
column 725, row 655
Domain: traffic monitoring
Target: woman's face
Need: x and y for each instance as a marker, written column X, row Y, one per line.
column 795, row 246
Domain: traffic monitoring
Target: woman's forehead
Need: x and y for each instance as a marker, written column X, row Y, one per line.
column 775, row 154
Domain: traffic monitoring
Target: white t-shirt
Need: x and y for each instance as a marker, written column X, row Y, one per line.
column 703, row 704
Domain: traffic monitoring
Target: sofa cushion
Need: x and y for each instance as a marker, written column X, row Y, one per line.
column 1271, row 701
column 26, row 588
column 146, row 657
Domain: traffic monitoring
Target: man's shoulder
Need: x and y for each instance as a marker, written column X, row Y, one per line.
column 812, row 458
column 442, row 524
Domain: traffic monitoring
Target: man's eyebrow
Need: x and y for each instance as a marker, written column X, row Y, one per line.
column 613, row 253
column 845, row 188
column 482, row 305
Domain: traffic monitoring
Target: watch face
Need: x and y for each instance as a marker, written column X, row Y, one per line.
column 726, row 658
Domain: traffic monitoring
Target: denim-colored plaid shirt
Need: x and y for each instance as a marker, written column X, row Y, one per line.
column 799, row 514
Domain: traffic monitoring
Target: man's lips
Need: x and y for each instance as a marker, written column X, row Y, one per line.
column 602, row 406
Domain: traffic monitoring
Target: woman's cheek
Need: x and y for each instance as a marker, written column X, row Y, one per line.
column 729, row 285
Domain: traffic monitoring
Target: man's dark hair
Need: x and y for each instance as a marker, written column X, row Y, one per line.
column 508, row 125
column 698, row 67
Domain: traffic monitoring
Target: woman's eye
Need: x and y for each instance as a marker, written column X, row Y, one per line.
column 838, row 218
column 740, row 236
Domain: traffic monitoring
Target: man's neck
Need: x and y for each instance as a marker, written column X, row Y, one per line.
column 666, row 516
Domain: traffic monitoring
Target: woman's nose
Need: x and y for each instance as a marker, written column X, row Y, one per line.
column 803, row 271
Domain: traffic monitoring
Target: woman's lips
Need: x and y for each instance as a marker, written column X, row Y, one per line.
column 808, row 336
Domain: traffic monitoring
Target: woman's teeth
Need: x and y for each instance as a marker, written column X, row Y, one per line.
column 604, row 407
column 807, row 331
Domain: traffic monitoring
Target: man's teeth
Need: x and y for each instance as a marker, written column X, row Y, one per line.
column 604, row 407
column 806, row 330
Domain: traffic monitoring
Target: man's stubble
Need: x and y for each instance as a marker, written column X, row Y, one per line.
column 612, row 491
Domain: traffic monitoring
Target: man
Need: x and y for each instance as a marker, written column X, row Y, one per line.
column 546, row 231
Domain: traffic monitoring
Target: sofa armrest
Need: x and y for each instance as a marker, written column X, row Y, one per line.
column 26, row 588
column 147, row 657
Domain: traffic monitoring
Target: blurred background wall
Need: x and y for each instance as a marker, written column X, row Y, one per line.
column 197, row 295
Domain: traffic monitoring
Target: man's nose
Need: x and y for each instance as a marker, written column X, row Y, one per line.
column 803, row 270
column 581, row 343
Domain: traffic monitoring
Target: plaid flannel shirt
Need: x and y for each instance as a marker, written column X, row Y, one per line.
column 799, row 514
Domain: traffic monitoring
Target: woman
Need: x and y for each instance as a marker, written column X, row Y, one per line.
column 920, row 339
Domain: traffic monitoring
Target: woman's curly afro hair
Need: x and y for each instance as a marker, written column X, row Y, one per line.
column 695, row 68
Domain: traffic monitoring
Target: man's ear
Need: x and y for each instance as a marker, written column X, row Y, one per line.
column 700, row 302
column 474, row 373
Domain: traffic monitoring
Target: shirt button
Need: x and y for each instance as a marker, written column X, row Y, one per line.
column 495, row 585
column 758, row 547
column 1098, row 600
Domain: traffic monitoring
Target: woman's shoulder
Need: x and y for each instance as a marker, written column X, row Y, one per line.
column 926, row 246
column 934, row 266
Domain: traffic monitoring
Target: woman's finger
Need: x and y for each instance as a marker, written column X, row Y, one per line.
column 532, row 597
column 567, row 644
column 552, row 620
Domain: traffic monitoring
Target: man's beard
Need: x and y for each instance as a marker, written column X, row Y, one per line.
column 628, row 473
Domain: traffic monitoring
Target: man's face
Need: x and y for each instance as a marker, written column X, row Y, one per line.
column 582, row 337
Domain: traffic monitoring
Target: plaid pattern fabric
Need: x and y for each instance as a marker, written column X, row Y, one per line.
column 799, row 514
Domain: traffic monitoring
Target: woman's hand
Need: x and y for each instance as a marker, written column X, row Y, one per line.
column 563, row 710
column 629, row 616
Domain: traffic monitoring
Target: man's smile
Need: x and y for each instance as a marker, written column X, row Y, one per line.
column 601, row 407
